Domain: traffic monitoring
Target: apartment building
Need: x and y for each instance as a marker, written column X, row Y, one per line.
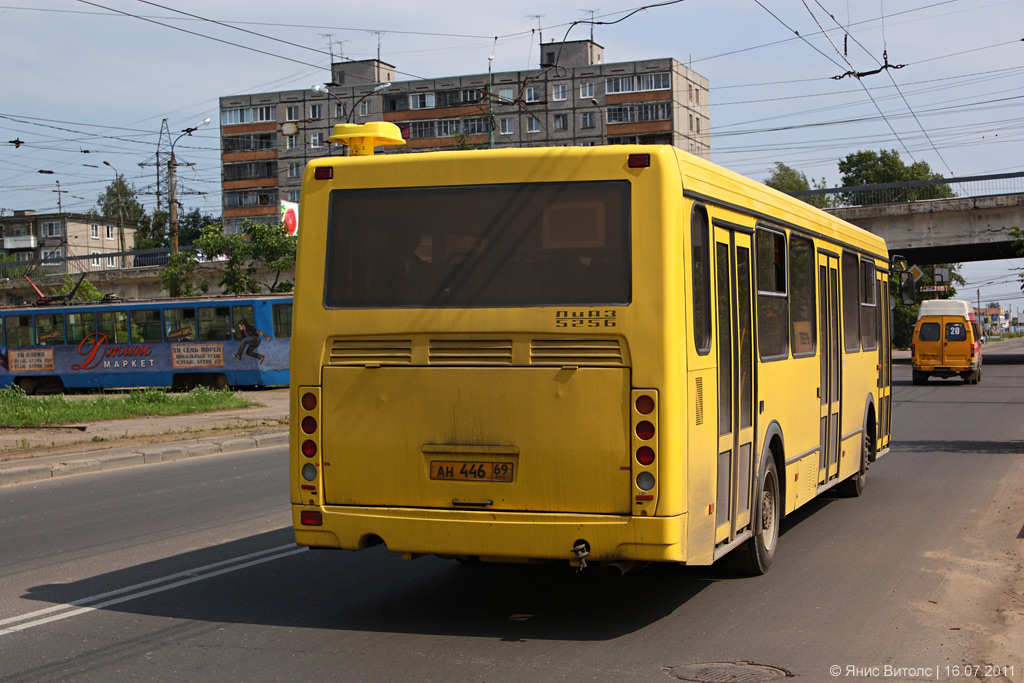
column 55, row 238
column 574, row 98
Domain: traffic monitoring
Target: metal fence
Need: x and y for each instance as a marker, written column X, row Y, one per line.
column 915, row 190
column 90, row 263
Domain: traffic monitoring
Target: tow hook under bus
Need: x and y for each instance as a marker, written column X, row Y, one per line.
column 580, row 550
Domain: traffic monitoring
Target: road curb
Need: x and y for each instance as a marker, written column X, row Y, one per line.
column 25, row 471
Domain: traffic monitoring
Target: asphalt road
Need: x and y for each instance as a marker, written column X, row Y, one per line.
column 187, row 571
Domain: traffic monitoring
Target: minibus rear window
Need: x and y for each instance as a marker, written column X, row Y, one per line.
column 929, row 332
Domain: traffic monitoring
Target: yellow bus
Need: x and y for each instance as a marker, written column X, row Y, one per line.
column 613, row 355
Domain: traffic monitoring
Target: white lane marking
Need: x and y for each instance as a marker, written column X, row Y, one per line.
column 38, row 617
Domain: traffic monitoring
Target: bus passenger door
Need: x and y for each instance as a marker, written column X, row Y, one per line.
column 829, row 391
column 884, row 363
column 735, row 383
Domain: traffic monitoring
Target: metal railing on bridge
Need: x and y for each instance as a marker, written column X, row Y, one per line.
column 914, row 190
column 90, row 263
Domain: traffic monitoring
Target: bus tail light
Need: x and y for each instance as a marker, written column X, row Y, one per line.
column 308, row 437
column 638, row 161
column 323, row 172
column 309, row 424
column 644, row 440
column 311, row 518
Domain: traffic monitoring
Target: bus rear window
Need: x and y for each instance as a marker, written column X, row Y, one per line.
column 504, row 245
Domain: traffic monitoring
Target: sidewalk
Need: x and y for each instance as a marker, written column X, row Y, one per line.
column 44, row 453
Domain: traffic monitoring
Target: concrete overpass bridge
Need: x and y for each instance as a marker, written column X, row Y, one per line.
column 972, row 226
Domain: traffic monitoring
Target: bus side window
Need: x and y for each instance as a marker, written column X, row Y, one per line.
column 114, row 324
column 868, row 329
column 851, row 302
column 180, row 324
column 50, row 329
column 242, row 314
column 801, row 306
column 282, row 321
column 214, row 323
column 80, row 326
column 701, row 279
column 20, row 331
column 145, row 326
column 772, row 297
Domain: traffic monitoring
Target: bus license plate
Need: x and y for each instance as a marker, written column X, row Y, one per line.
column 459, row 470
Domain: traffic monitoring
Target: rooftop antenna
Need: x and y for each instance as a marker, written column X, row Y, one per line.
column 540, row 31
column 591, row 12
column 378, row 34
column 330, row 44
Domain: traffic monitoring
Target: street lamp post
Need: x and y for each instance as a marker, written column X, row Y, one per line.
column 490, row 99
column 323, row 90
column 172, row 183
column 120, row 211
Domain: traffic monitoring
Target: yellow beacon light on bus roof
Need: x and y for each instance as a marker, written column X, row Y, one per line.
column 363, row 137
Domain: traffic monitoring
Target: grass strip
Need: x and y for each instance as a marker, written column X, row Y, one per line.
column 19, row 410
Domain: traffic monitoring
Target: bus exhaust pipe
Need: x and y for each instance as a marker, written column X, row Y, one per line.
column 619, row 568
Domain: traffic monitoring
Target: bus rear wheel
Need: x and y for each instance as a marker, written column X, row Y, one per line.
column 756, row 555
column 854, row 486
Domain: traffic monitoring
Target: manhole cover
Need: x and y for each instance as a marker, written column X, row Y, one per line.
column 727, row 672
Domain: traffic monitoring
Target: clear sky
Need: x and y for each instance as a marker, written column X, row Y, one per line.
column 87, row 82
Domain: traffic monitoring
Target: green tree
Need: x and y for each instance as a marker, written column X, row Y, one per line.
column 179, row 275
column 463, row 142
column 272, row 249
column 119, row 200
column 151, row 231
column 231, row 255
column 787, row 179
column 237, row 258
column 191, row 224
column 868, row 167
column 86, row 290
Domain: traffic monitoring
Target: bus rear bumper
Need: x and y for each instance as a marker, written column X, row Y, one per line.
column 500, row 536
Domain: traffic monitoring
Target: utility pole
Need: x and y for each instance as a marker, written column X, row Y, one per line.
column 172, row 184
column 979, row 310
column 172, row 202
column 60, row 208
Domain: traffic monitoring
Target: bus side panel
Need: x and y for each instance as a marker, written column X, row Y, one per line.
column 701, row 472
column 860, row 380
column 789, row 390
